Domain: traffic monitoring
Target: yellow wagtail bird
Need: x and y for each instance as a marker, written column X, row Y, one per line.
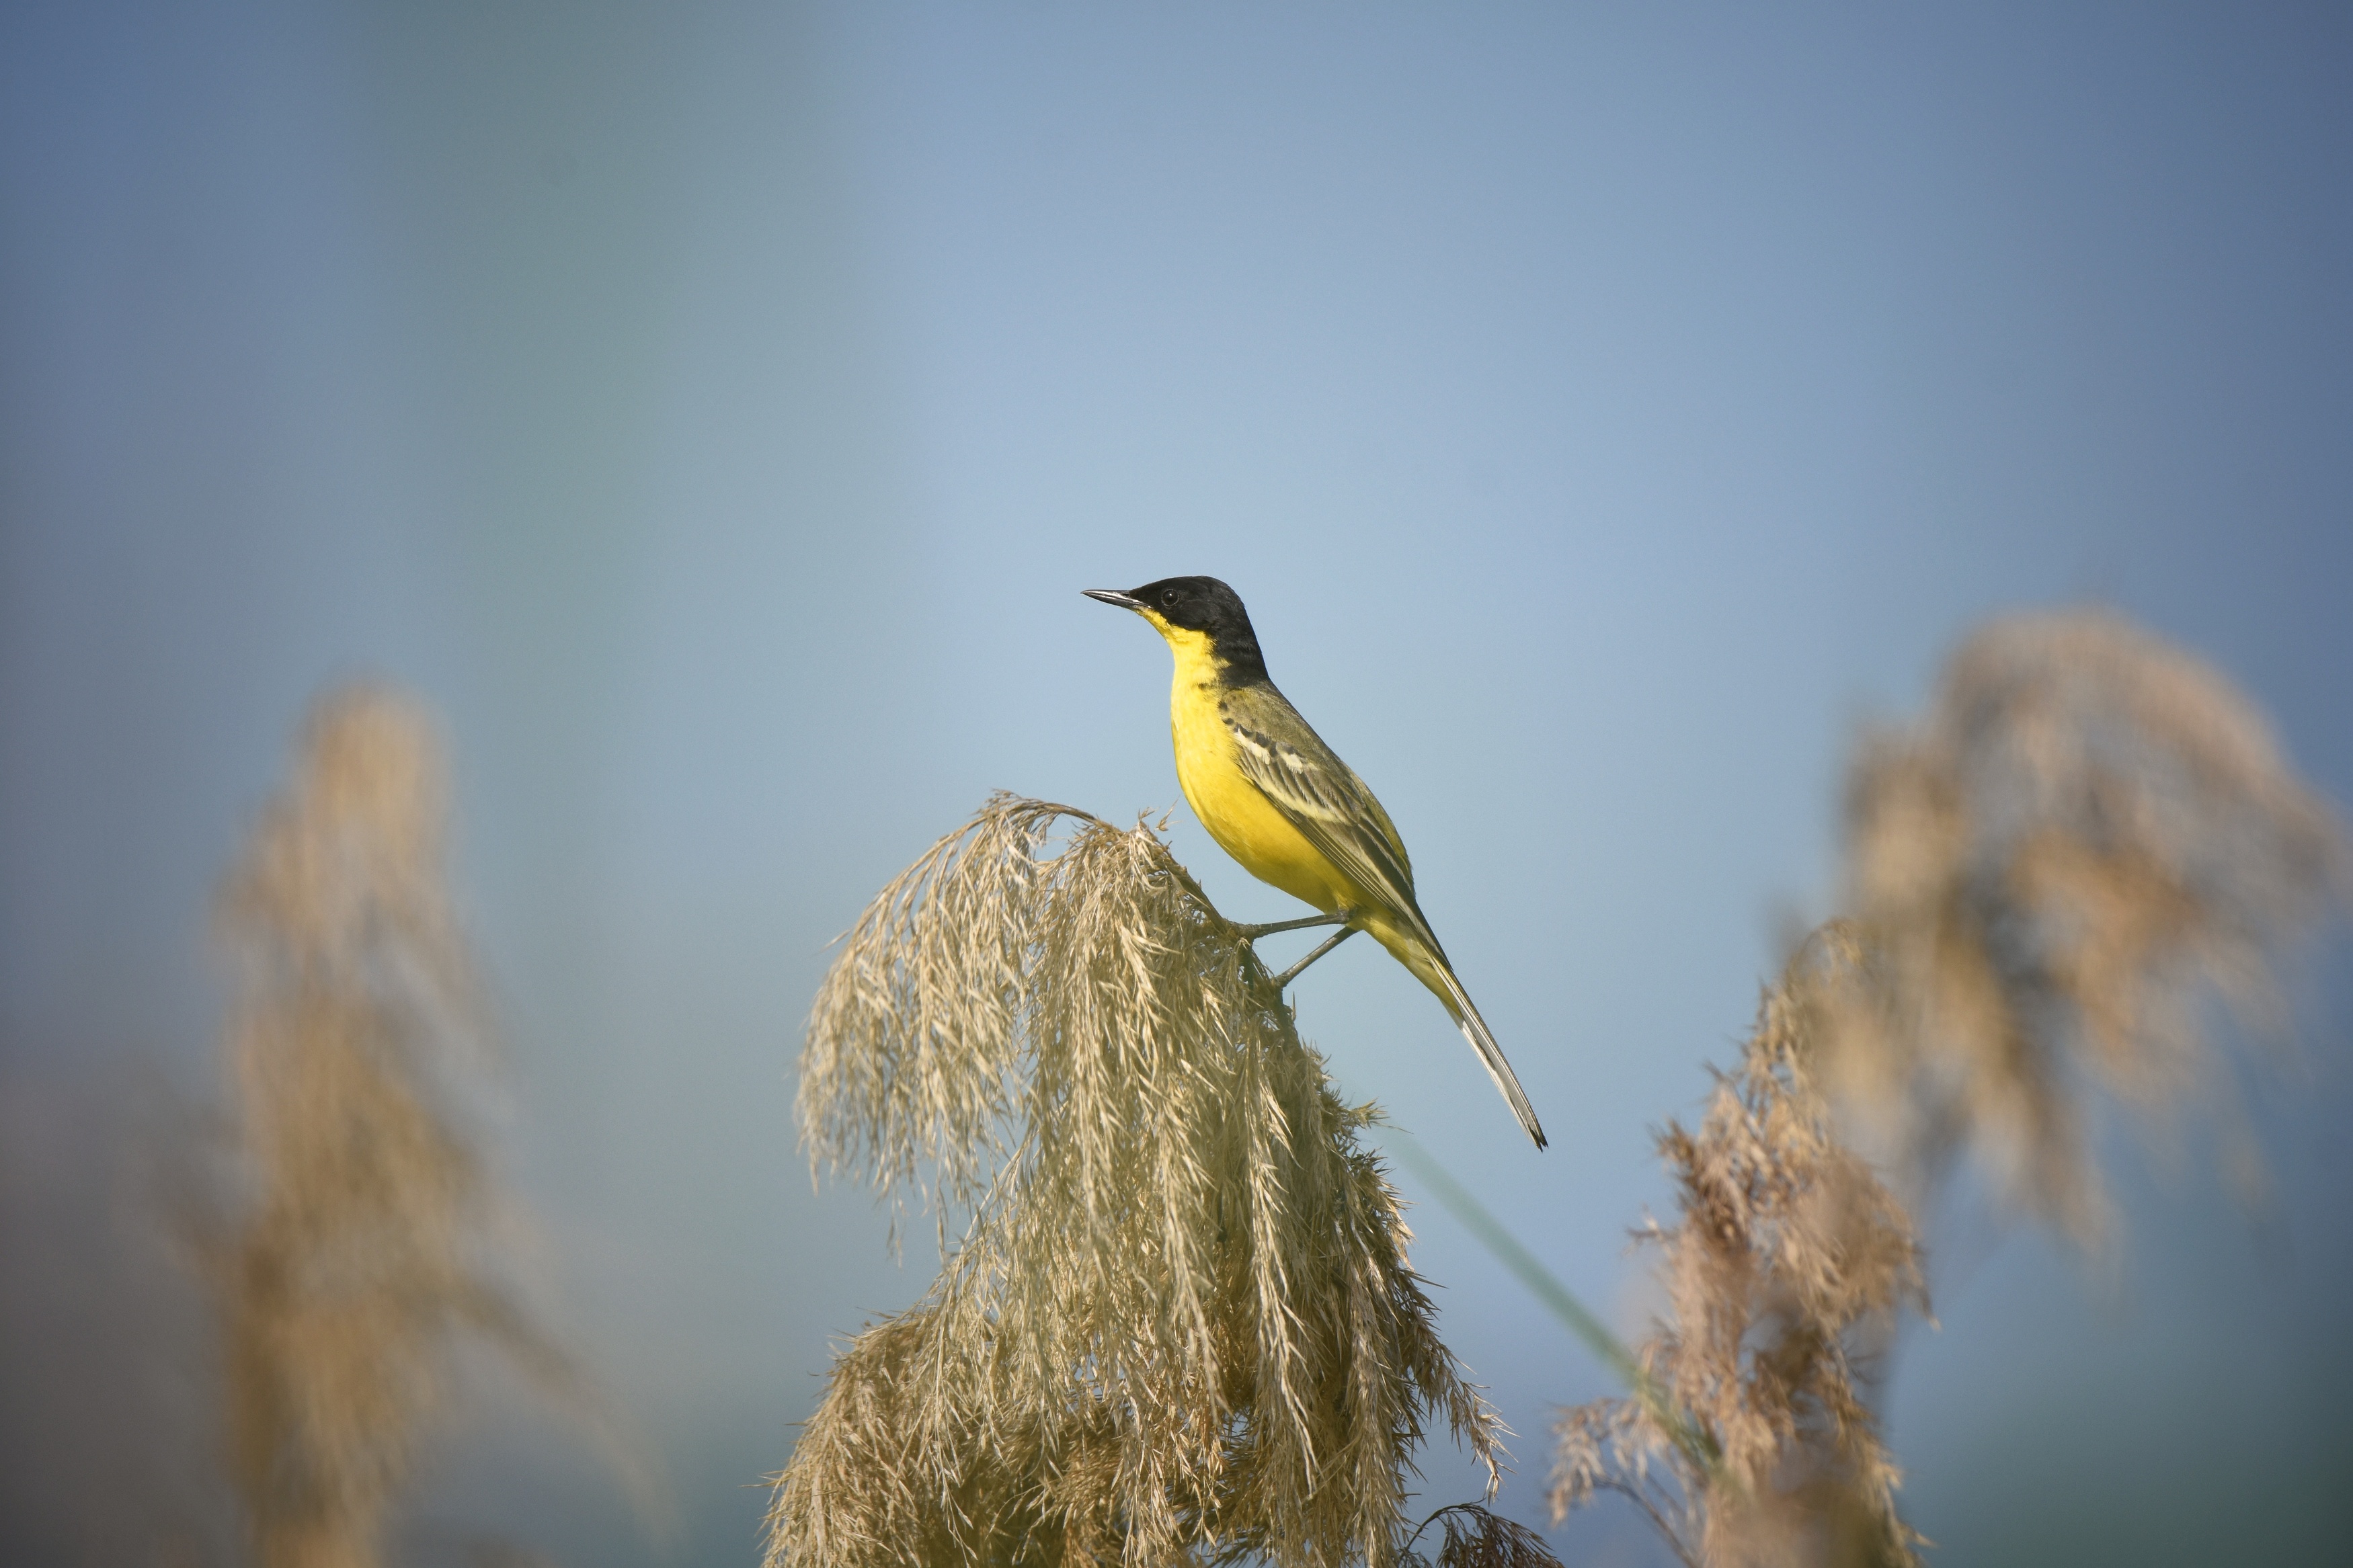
column 1276, row 798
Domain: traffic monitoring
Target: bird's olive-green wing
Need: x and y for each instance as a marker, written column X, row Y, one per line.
column 1322, row 797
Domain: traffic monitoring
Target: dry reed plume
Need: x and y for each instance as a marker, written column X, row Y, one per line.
column 1749, row 1443
column 2089, row 835
column 357, row 1249
column 1178, row 1321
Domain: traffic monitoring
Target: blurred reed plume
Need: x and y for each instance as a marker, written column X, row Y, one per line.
column 357, row 1245
column 1748, row 1443
column 1178, row 1321
column 2089, row 835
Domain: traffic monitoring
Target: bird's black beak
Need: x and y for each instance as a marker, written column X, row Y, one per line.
column 1113, row 596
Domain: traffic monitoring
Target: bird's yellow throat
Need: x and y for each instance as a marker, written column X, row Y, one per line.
column 1197, row 664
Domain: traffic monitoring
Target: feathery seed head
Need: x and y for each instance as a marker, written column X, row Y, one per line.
column 2088, row 832
column 358, row 1245
column 1179, row 1318
column 1786, row 1261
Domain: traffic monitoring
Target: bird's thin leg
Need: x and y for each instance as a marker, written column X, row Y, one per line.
column 1252, row 933
column 1328, row 943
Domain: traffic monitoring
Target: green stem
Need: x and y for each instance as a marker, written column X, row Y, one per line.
column 1687, row 1434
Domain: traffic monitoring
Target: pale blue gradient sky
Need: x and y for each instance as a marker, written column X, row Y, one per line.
column 714, row 412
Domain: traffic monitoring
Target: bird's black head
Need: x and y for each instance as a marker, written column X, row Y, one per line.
column 1201, row 607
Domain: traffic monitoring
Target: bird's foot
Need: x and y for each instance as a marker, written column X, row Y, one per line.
column 1327, row 945
column 1252, row 933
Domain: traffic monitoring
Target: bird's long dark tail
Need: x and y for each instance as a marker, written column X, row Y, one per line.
column 1483, row 1040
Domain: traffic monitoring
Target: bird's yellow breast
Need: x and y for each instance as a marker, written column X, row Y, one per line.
column 1245, row 824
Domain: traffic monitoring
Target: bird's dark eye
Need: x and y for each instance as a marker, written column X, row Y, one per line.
column 1168, row 597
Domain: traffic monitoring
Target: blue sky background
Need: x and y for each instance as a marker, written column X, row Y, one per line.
column 714, row 410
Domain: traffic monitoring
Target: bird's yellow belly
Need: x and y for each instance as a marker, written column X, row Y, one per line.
column 1243, row 820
